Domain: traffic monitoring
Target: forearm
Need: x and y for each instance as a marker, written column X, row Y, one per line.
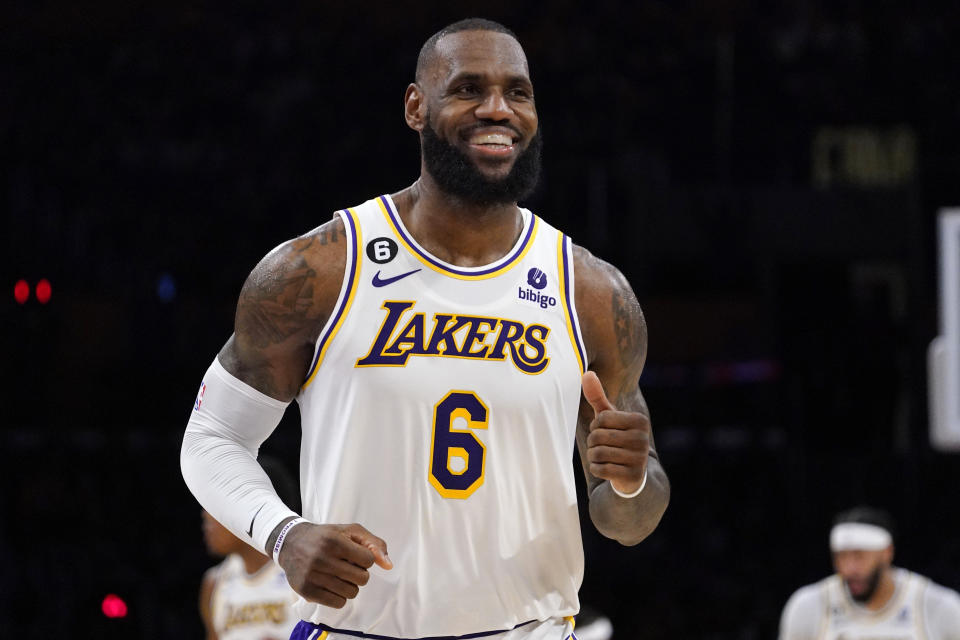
column 218, row 456
column 630, row 520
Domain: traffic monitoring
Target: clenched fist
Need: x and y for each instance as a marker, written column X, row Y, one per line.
column 328, row 563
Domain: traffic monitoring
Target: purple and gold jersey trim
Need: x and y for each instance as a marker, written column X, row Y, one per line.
column 311, row 631
column 565, row 262
column 346, row 296
column 307, row 631
column 500, row 267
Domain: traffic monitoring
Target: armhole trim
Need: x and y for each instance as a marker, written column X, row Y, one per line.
column 348, row 291
column 567, row 293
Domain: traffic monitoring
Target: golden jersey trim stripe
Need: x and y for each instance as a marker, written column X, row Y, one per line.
column 530, row 233
column 343, row 305
column 573, row 330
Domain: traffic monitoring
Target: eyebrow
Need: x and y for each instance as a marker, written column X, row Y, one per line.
column 468, row 76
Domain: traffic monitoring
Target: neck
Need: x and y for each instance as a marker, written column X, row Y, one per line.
column 253, row 560
column 884, row 592
column 462, row 233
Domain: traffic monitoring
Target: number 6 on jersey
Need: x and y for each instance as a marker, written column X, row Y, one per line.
column 457, row 455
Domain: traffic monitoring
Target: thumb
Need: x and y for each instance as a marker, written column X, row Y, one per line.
column 593, row 392
column 375, row 545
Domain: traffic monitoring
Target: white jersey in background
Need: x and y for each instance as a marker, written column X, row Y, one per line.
column 251, row 607
column 918, row 610
column 440, row 414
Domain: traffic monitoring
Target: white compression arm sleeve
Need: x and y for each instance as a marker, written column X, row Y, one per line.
column 229, row 422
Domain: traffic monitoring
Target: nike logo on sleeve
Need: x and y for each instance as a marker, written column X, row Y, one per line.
column 250, row 531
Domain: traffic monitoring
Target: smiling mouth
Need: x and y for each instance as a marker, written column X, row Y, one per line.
column 492, row 143
column 492, row 139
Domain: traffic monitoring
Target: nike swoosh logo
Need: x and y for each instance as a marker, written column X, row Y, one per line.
column 382, row 282
column 250, row 530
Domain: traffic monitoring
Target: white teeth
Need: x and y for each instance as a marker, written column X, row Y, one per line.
column 491, row 138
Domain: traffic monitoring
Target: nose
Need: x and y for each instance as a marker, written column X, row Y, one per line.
column 494, row 107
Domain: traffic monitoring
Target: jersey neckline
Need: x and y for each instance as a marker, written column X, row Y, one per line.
column 900, row 580
column 504, row 264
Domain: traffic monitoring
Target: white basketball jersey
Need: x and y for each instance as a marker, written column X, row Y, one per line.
column 251, row 607
column 901, row 619
column 440, row 414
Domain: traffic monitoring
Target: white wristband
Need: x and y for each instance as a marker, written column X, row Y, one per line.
column 283, row 536
column 643, row 483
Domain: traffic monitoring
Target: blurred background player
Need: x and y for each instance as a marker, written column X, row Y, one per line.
column 593, row 624
column 246, row 597
column 868, row 598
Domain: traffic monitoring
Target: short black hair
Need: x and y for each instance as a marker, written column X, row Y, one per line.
column 864, row 514
column 283, row 483
column 467, row 24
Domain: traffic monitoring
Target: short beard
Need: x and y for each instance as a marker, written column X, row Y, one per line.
column 456, row 174
column 871, row 589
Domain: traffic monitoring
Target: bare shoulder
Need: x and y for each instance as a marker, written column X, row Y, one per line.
column 295, row 283
column 613, row 325
column 283, row 305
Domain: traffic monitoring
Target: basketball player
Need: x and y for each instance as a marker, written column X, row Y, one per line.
column 436, row 340
column 246, row 597
column 868, row 598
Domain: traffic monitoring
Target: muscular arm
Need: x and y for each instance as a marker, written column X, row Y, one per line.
column 283, row 306
column 616, row 442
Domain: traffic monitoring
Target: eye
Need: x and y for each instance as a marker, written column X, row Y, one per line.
column 467, row 90
column 520, row 93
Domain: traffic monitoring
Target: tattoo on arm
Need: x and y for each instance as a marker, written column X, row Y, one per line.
column 276, row 306
column 630, row 329
column 326, row 236
column 282, row 307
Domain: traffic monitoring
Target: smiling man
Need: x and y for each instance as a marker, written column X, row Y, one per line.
column 868, row 598
column 447, row 349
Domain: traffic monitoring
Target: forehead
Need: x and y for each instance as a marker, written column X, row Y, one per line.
column 486, row 53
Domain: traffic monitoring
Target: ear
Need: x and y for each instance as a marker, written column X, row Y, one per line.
column 415, row 107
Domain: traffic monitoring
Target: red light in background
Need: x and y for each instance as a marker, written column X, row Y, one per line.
column 21, row 291
column 44, row 291
column 114, row 607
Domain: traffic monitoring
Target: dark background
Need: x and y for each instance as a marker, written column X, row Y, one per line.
column 766, row 174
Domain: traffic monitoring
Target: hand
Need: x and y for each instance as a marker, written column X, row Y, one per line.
column 327, row 563
column 619, row 441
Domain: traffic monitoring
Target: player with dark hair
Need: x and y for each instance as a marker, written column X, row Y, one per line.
column 447, row 349
column 246, row 597
column 868, row 597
